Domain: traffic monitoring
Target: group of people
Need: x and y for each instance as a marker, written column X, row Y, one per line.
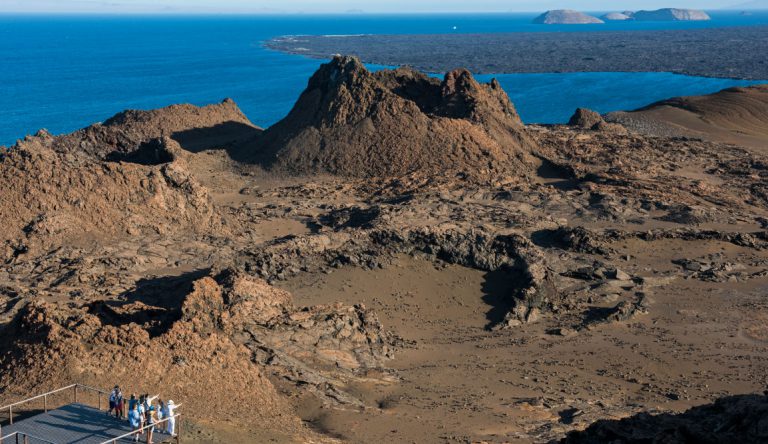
column 144, row 415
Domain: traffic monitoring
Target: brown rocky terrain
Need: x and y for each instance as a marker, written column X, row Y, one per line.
column 353, row 122
column 398, row 260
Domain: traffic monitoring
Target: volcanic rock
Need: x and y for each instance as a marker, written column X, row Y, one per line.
column 585, row 118
column 353, row 122
column 565, row 17
column 58, row 197
column 220, row 338
column 195, row 128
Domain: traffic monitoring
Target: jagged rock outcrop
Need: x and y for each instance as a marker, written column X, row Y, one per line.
column 49, row 345
column 212, row 346
column 588, row 119
column 585, row 118
column 197, row 128
column 565, row 17
column 61, row 197
column 534, row 295
column 353, row 122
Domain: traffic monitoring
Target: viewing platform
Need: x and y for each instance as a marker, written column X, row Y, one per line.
column 75, row 422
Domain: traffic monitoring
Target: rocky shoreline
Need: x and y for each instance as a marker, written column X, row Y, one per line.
column 736, row 52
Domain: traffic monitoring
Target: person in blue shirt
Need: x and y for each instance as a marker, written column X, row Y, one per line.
column 136, row 419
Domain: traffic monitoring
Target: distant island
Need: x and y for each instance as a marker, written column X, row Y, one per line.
column 670, row 15
column 565, row 17
column 570, row 17
column 736, row 52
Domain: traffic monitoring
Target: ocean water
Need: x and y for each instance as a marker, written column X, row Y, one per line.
column 65, row 72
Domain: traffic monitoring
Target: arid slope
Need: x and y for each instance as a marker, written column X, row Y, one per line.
column 398, row 260
column 735, row 115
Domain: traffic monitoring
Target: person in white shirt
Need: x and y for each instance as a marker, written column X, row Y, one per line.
column 170, row 408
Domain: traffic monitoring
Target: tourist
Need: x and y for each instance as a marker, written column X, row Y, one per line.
column 112, row 400
column 119, row 403
column 136, row 421
column 141, row 406
column 161, row 410
column 133, row 402
column 170, row 425
column 150, row 423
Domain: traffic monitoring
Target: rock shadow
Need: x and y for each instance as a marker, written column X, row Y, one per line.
column 155, row 303
column 225, row 136
column 547, row 238
column 731, row 419
column 499, row 288
column 556, row 176
column 228, row 136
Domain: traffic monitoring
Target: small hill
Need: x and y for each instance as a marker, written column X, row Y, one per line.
column 733, row 115
column 195, row 128
column 565, row 17
column 352, row 122
column 671, row 14
column 129, row 176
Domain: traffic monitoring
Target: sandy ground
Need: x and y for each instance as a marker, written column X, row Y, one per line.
column 461, row 382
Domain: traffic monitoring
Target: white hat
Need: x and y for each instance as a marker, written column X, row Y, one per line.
column 170, row 401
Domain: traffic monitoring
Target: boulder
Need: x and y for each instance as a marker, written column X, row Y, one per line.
column 585, row 118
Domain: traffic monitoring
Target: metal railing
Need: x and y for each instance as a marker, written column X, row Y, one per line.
column 175, row 436
column 23, row 438
column 44, row 397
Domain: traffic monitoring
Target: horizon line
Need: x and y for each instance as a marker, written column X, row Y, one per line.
column 347, row 13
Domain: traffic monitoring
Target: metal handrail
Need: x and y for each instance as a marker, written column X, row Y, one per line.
column 24, row 401
column 25, row 436
column 44, row 396
column 133, row 432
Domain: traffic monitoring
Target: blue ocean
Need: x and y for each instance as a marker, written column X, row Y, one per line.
column 65, row 72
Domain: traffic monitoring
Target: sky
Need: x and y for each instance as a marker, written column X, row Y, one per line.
column 337, row 6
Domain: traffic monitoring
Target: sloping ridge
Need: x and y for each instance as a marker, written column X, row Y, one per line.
column 352, row 122
column 57, row 197
column 734, row 115
column 194, row 128
column 740, row 108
